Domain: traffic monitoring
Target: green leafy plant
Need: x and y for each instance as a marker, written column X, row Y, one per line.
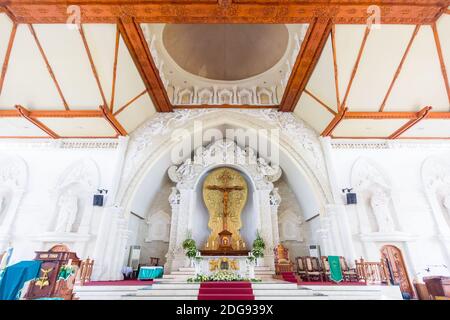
column 190, row 247
column 258, row 246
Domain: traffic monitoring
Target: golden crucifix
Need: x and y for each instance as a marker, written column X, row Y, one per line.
column 225, row 178
column 226, row 205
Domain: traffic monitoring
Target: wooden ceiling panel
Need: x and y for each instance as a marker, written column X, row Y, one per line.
column 429, row 128
column 28, row 81
column 136, row 113
column 128, row 82
column 68, row 58
column 348, row 40
column 322, row 82
column 19, row 127
column 420, row 82
column 367, row 128
column 443, row 35
column 79, row 127
column 313, row 113
column 382, row 54
column 101, row 39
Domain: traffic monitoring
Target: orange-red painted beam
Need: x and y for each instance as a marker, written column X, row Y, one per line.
column 422, row 114
column 26, row 114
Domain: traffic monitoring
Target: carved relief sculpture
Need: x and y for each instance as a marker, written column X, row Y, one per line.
column 379, row 203
column 67, row 212
column 275, row 198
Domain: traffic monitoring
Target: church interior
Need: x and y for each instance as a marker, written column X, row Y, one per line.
column 225, row 150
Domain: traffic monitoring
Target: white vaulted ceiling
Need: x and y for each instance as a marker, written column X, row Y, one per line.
column 364, row 75
column 49, row 68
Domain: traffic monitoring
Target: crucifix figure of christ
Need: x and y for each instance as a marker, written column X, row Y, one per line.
column 225, row 178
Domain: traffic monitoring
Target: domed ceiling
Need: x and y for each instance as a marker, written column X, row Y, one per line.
column 226, row 52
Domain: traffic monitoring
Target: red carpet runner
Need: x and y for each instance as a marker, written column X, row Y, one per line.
column 216, row 290
column 289, row 276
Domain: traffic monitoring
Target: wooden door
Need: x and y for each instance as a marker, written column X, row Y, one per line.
column 399, row 274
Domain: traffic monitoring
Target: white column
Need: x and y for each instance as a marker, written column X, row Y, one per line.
column 266, row 226
column 170, row 256
column 179, row 257
column 340, row 219
column 275, row 229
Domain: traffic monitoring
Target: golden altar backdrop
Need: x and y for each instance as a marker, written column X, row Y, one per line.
column 225, row 195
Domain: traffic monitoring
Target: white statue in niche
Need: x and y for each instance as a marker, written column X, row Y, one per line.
column 67, row 212
column 380, row 206
column 275, row 198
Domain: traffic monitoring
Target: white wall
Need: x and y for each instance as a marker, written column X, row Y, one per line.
column 401, row 164
column 46, row 162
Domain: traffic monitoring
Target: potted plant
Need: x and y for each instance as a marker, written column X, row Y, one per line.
column 190, row 248
column 258, row 248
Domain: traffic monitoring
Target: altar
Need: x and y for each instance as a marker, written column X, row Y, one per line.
column 239, row 265
column 224, row 197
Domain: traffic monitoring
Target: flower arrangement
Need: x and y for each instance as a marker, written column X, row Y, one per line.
column 258, row 246
column 222, row 275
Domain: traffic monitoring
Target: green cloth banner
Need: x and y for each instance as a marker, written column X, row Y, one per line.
column 335, row 269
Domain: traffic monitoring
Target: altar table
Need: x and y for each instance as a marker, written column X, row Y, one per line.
column 149, row 273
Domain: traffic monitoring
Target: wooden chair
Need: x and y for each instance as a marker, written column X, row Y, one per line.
column 301, row 267
column 313, row 269
column 85, row 271
column 326, row 268
column 154, row 261
column 282, row 262
column 348, row 273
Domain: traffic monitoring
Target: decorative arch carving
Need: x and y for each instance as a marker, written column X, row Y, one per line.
column 225, row 152
column 295, row 137
column 73, row 197
column 373, row 187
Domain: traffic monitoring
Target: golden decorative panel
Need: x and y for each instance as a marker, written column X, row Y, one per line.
column 225, row 195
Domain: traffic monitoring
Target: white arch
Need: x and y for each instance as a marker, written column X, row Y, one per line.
column 300, row 150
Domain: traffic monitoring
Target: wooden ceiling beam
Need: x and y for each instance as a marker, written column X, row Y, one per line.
column 422, row 114
column 113, row 121
column 91, row 62
column 227, row 11
column 49, row 68
column 7, row 56
column 399, row 68
column 26, row 114
column 394, row 115
column 355, row 67
column 441, row 60
column 310, row 51
column 54, row 113
column 129, row 102
column 323, row 104
column 116, row 58
column 334, row 123
column 137, row 45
